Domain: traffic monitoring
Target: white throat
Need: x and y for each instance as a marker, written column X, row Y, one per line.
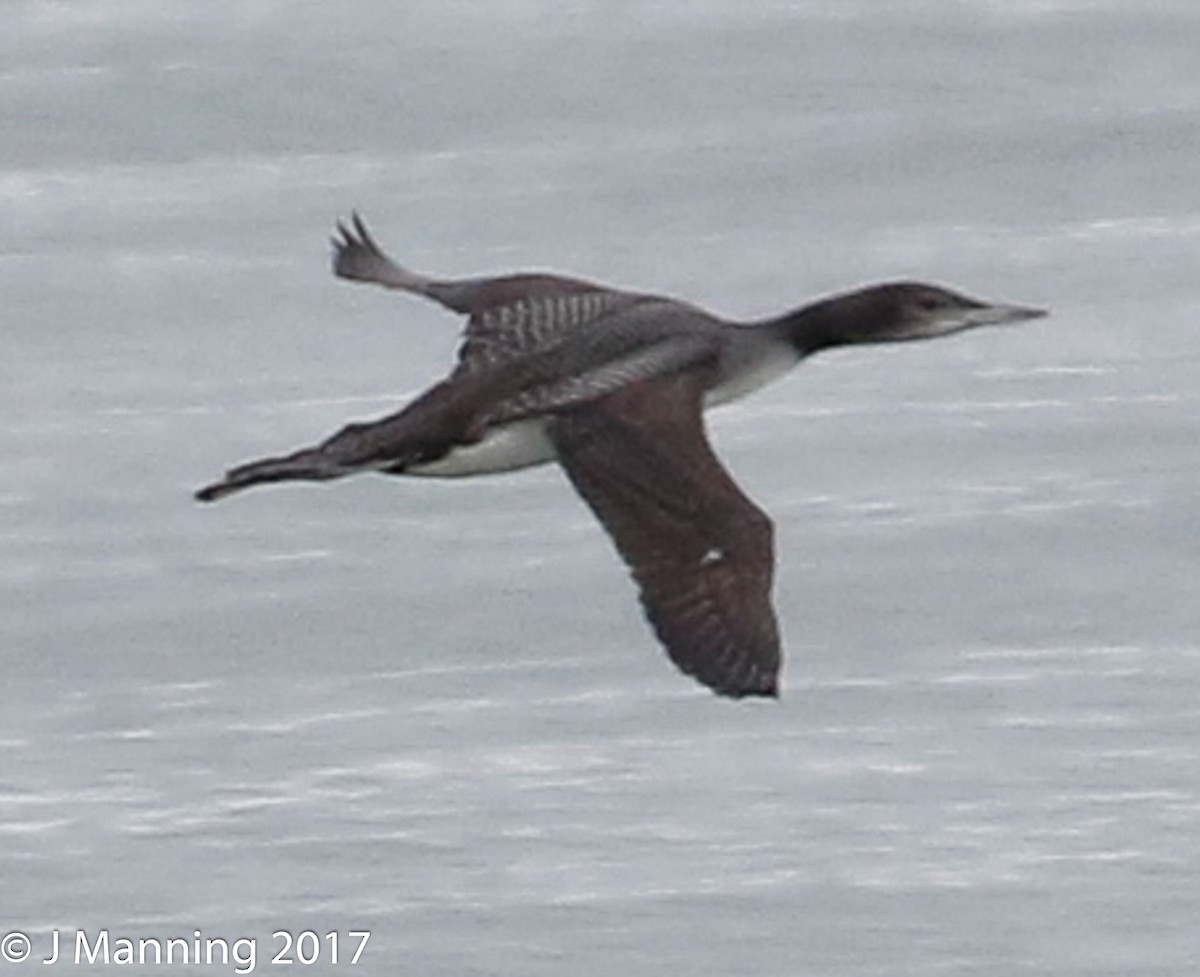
column 750, row 368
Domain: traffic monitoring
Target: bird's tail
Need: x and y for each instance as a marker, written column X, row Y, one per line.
column 425, row 430
column 389, row 445
column 310, row 465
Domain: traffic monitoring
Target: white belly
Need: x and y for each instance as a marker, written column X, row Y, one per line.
column 503, row 449
column 523, row 444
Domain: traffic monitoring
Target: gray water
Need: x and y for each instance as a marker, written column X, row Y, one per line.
column 431, row 711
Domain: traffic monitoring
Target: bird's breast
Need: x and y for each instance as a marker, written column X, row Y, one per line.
column 748, row 366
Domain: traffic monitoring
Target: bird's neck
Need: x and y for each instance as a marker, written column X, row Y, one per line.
column 810, row 328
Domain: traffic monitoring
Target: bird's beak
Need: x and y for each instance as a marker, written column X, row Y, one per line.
column 1001, row 315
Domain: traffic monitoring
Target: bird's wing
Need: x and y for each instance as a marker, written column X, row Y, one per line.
column 700, row 551
column 509, row 317
column 526, row 315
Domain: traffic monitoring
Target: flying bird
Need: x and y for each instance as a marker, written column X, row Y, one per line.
column 613, row 385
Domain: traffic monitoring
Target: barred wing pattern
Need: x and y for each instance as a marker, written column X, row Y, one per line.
column 513, row 318
column 700, row 551
column 509, row 318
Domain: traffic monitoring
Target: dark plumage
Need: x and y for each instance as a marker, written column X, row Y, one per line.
column 613, row 386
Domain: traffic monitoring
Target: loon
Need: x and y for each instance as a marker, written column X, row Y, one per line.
column 612, row 385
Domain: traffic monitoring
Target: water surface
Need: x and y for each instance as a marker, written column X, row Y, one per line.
column 432, row 711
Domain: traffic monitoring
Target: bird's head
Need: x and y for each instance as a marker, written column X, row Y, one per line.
column 900, row 311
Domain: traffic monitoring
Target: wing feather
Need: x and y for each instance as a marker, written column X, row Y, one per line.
column 509, row 317
column 700, row 551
